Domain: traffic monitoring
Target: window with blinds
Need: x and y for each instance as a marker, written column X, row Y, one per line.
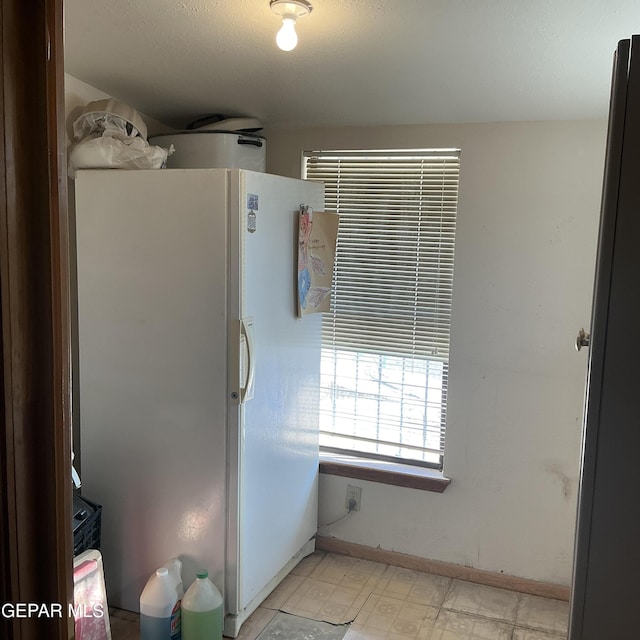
column 385, row 342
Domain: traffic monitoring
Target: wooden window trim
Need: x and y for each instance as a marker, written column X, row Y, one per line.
column 400, row 475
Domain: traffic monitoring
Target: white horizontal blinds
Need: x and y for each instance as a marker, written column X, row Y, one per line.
column 386, row 339
column 394, row 262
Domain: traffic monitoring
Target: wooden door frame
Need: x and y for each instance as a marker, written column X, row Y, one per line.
column 35, row 435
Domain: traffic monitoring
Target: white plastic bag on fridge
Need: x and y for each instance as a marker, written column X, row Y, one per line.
column 112, row 135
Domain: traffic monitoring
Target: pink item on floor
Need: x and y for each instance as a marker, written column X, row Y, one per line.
column 90, row 610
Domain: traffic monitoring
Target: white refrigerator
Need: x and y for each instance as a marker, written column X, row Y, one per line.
column 198, row 383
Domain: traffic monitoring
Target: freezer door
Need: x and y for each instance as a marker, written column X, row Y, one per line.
column 273, row 436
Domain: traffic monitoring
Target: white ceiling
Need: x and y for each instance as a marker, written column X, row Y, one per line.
column 358, row 62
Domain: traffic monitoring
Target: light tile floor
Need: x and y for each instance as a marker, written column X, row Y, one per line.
column 362, row 600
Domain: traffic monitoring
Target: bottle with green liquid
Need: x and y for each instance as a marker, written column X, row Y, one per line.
column 202, row 610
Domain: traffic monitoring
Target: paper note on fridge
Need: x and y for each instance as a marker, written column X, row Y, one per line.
column 318, row 232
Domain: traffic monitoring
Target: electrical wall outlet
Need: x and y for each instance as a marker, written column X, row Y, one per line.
column 354, row 497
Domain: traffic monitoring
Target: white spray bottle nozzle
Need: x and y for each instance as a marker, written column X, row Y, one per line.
column 74, row 474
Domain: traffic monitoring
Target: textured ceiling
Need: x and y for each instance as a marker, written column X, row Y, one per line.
column 358, row 62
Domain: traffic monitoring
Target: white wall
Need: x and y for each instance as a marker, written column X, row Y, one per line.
column 525, row 251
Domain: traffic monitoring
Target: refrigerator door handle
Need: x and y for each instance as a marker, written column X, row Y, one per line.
column 247, row 359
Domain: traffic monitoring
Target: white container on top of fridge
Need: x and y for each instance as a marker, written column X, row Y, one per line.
column 214, row 150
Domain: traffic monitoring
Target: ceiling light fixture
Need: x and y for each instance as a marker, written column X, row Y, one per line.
column 289, row 11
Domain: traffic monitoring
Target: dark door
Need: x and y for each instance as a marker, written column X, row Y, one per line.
column 607, row 557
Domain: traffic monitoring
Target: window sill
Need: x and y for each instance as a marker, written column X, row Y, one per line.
column 401, row 475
